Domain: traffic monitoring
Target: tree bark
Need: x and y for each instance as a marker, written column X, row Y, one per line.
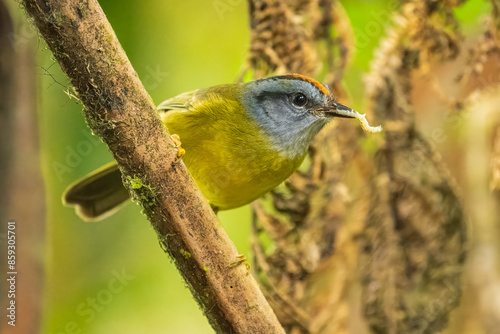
column 119, row 110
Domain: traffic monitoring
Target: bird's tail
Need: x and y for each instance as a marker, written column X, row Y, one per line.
column 97, row 195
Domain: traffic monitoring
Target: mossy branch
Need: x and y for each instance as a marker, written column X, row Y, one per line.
column 119, row 110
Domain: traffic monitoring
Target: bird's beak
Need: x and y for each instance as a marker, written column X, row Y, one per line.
column 338, row 110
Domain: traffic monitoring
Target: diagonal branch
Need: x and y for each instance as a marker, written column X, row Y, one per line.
column 119, row 110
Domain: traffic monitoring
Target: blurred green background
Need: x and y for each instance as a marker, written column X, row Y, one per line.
column 175, row 46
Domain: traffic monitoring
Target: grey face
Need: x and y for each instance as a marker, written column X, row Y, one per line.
column 286, row 109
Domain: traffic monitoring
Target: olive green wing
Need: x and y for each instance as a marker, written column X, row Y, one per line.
column 181, row 101
column 189, row 100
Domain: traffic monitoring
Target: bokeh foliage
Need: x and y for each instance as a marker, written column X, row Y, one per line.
column 174, row 47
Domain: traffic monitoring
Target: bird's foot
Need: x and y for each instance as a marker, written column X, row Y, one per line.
column 177, row 142
column 240, row 259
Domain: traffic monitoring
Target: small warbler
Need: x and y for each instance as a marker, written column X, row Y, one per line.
column 239, row 141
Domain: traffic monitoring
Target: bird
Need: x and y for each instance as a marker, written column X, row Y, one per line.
column 239, row 141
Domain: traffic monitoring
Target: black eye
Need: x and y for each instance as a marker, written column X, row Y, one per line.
column 299, row 100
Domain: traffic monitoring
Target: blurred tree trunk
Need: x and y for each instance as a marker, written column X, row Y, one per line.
column 7, row 68
column 6, row 109
column 23, row 194
column 484, row 274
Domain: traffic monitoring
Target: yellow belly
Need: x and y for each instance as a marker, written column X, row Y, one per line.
column 231, row 178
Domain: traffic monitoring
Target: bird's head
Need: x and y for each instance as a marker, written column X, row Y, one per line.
column 291, row 109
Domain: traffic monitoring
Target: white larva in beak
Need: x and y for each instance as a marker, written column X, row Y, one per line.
column 340, row 110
